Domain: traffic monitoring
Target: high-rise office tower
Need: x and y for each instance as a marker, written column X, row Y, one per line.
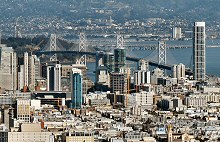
column 199, row 51
column 120, row 58
column 8, row 68
column 30, row 70
column 76, row 88
column 26, row 64
column 54, row 77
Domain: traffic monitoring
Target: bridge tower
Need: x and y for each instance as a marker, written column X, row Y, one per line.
column 53, row 46
column 120, row 42
column 162, row 53
column 82, row 48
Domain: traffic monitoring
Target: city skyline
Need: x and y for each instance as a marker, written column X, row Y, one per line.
column 109, row 71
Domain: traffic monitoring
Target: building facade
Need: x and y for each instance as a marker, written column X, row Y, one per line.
column 54, row 77
column 23, row 110
column 8, row 68
column 76, row 88
column 118, row 82
column 199, row 51
column 179, row 71
column 177, row 33
column 120, row 58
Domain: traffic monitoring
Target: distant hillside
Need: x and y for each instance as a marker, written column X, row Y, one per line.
column 119, row 9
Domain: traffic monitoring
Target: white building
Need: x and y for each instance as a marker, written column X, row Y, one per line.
column 141, row 99
column 177, row 33
column 201, row 100
column 21, row 77
column 142, row 77
column 102, row 75
column 179, row 71
column 26, row 64
column 29, row 71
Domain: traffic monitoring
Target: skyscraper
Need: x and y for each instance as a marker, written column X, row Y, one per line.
column 28, row 70
column 26, row 64
column 120, row 57
column 76, row 88
column 109, row 62
column 54, row 77
column 8, row 68
column 199, row 51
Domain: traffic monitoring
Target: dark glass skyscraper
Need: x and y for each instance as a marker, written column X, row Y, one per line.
column 76, row 88
column 120, row 58
column 109, row 62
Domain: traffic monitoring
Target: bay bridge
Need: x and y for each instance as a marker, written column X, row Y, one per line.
column 92, row 48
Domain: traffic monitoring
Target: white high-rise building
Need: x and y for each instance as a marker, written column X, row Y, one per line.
column 199, row 51
column 30, row 70
column 177, row 33
column 179, row 71
column 21, row 77
column 26, row 69
column 141, row 77
column 8, row 68
column 54, row 77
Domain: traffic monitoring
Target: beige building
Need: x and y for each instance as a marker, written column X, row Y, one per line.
column 30, row 133
column 23, row 110
column 80, row 136
column 201, row 100
column 8, row 68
